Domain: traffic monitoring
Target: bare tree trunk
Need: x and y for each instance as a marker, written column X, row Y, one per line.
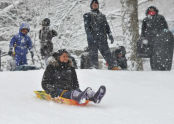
column 131, row 32
column 141, row 2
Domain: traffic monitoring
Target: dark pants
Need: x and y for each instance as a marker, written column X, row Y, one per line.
column 61, row 93
column 47, row 50
column 104, row 50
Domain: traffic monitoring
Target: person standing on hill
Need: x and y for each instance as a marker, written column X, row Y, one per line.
column 156, row 35
column 45, row 35
column 20, row 44
column 97, row 30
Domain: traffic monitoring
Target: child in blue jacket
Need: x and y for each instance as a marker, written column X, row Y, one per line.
column 20, row 44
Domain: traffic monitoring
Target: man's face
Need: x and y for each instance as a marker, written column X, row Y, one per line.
column 94, row 5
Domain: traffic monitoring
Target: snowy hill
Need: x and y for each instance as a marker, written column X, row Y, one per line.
column 131, row 98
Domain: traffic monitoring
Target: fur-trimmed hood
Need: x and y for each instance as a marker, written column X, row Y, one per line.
column 57, row 63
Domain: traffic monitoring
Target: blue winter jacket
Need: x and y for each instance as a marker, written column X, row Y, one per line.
column 21, row 43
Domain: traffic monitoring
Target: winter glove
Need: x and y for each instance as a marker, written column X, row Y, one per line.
column 54, row 33
column 32, row 54
column 165, row 30
column 111, row 38
column 50, row 88
column 10, row 52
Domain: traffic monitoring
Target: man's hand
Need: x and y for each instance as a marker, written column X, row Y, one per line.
column 10, row 53
column 32, row 54
column 111, row 38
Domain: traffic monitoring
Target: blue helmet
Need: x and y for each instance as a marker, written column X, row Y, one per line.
column 24, row 26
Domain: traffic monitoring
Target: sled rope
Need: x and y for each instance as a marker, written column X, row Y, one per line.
column 63, row 93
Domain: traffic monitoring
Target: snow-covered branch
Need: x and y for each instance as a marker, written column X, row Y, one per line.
column 141, row 2
column 12, row 6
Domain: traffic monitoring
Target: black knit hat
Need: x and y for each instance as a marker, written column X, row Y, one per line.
column 152, row 7
column 59, row 53
column 96, row 1
column 46, row 22
column 120, row 50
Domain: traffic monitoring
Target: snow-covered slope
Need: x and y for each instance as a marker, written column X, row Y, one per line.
column 67, row 18
column 131, row 98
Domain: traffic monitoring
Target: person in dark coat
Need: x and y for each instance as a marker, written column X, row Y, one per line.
column 60, row 79
column 154, row 26
column 119, row 57
column 153, row 23
column 45, row 35
column 97, row 30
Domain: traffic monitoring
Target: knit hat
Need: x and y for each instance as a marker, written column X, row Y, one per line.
column 46, row 22
column 120, row 50
column 96, row 1
column 59, row 53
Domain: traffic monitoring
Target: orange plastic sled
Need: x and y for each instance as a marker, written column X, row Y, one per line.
column 43, row 95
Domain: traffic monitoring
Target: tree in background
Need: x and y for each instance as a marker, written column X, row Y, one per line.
column 131, row 32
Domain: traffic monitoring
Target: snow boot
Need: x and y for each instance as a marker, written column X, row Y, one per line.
column 99, row 95
column 82, row 96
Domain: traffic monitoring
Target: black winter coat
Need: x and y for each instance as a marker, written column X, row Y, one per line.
column 121, row 62
column 96, row 27
column 45, row 36
column 151, row 27
column 59, row 76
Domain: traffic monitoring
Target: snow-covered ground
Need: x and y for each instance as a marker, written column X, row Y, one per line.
column 131, row 98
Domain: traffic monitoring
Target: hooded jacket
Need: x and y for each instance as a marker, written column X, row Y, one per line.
column 96, row 27
column 153, row 25
column 96, row 1
column 21, row 42
column 59, row 76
